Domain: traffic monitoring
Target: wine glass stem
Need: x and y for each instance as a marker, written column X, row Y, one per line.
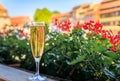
column 37, row 60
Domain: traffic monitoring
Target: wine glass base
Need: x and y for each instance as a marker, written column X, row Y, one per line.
column 37, row 78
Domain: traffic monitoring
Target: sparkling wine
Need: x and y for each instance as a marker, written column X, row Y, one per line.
column 37, row 40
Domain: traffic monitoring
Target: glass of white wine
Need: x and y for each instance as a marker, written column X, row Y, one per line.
column 37, row 40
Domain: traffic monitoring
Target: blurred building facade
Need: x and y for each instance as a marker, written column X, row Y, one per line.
column 19, row 20
column 61, row 17
column 86, row 12
column 7, row 22
column 107, row 12
column 55, row 16
column 110, row 12
column 4, row 17
column 80, row 13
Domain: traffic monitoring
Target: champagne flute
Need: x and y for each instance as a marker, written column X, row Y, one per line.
column 37, row 40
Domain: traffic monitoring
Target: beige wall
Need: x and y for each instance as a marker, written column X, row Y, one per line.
column 113, row 3
column 4, row 21
column 109, row 19
column 114, row 29
column 4, row 17
column 108, row 12
column 81, row 12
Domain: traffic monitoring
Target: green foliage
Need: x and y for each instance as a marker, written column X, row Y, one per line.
column 79, row 53
column 78, row 59
column 43, row 15
column 55, row 12
column 14, row 50
column 78, row 56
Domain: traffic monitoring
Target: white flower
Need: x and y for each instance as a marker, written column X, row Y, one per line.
column 43, row 64
column 53, row 44
column 47, row 44
column 71, row 38
column 27, row 43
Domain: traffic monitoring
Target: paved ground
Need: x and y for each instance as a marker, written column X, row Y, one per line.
column 13, row 74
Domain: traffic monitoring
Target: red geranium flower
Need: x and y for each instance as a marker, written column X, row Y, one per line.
column 64, row 26
column 113, row 49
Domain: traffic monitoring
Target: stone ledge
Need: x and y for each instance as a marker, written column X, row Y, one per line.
column 13, row 74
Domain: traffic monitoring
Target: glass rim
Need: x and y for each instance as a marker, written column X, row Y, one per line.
column 34, row 23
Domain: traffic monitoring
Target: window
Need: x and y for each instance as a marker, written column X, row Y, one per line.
column 106, row 23
column 118, row 22
column 81, row 13
column 89, row 16
column 110, row 8
column 114, row 23
column 90, row 10
column 102, row 15
column 86, row 7
column 108, row 1
column 117, row 13
column 110, row 14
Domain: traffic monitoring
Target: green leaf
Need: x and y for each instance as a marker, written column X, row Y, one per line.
column 77, row 60
column 111, row 54
column 107, row 60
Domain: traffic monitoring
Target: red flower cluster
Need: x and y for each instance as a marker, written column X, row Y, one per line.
column 97, row 29
column 115, row 40
column 106, row 34
column 64, row 26
column 94, row 28
column 23, row 33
